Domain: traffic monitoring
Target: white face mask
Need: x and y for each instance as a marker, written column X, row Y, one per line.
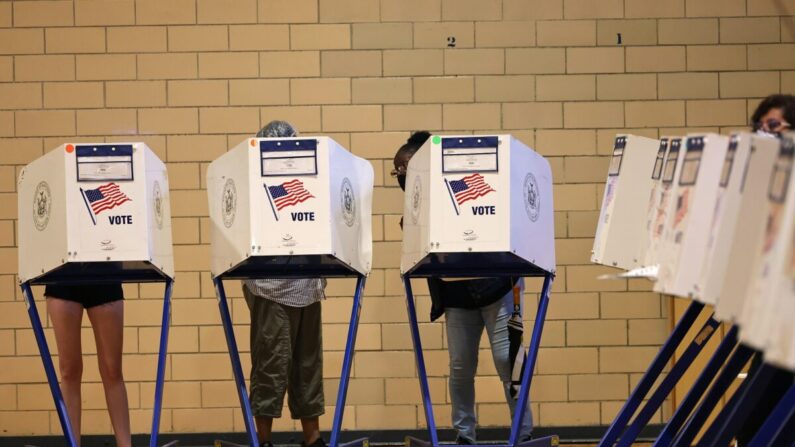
column 765, row 133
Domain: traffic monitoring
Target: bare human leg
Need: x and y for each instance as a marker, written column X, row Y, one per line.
column 311, row 429
column 107, row 321
column 66, row 317
column 264, row 428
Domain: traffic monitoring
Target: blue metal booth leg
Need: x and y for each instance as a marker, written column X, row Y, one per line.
column 161, row 363
column 663, row 356
column 49, row 369
column 415, row 338
column 347, row 360
column 725, row 378
column 234, row 356
column 694, row 395
column 667, row 385
column 530, row 362
column 775, row 424
column 736, row 412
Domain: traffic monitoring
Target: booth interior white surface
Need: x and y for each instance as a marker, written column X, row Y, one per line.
column 87, row 210
column 290, row 207
column 478, row 204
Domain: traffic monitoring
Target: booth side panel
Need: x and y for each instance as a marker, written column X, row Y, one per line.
column 781, row 350
column 624, row 222
column 655, row 195
column 417, row 209
column 532, row 231
column 228, row 196
column 762, row 302
column 350, row 197
column 698, row 202
column 601, row 236
column 749, row 230
column 159, row 214
column 722, row 226
column 663, row 223
column 42, row 202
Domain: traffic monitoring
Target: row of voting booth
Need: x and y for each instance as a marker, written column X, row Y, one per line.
column 475, row 206
column 709, row 218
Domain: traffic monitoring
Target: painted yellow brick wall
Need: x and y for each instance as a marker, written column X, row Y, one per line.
column 193, row 77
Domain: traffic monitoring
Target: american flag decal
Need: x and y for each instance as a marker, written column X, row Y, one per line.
column 289, row 194
column 469, row 188
column 105, row 197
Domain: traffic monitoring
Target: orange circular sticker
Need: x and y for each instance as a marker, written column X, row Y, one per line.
column 70, row 148
column 253, row 142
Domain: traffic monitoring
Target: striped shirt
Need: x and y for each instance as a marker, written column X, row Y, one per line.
column 294, row 292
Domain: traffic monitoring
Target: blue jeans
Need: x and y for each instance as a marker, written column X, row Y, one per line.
column 464, row 329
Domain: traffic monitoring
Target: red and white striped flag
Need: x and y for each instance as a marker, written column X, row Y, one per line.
column 289, row 193
column 105, row 197
column 469, row 188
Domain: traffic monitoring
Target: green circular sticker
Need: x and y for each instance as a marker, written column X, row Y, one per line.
column 437, row 139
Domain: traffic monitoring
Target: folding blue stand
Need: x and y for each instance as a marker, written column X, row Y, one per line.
column 668, row 383
column 690, row 401
column 740, row 406
column 49, row 369
column 527, row 373
column 652, row 373
column 237, row 369
column 780, row 421
column 727, row 375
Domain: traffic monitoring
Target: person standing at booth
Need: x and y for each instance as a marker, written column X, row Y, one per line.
column 104, row 305
column 286, row 343
column 470, row 306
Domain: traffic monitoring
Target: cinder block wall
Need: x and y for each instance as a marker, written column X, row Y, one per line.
column 194, row 77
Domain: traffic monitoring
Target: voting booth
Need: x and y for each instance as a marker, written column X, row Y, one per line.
column 626, row 195
column 756, row 295
column 478, row 206
column 685, row 244
column 660, row 222
column 95, row 213
column 282, row 207
column 719, row 232
column 290, row 208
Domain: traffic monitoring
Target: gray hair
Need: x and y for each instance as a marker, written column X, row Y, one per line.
column 276, row 129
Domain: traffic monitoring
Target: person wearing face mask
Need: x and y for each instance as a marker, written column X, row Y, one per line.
column 774, row 115
column 469, row 306
column 286, row 343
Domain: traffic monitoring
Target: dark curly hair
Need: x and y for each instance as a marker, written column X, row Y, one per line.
column 414, row 143
column 777, row 101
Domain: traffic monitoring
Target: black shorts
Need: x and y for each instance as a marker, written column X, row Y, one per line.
column 87, row 295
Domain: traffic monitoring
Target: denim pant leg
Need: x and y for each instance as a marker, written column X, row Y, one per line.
column 464, row 328
column 495, row 317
